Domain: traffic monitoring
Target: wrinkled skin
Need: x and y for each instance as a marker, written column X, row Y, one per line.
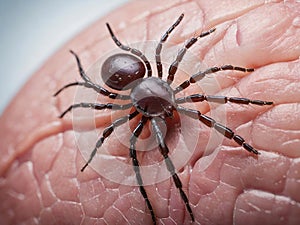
column 41, row 182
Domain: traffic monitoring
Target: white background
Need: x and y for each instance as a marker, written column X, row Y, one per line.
column 31, row 31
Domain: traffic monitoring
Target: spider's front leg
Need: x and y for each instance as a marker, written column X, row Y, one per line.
column 136, row 166
column 174, row 66
column 201, row 74
column 221, row 100
column 210, row 122
column 170, row 166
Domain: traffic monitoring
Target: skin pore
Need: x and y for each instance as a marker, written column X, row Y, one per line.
column 40, row 162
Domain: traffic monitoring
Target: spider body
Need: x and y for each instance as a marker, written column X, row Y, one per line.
column 153, row 97
column 155, row 100
column 119, row 71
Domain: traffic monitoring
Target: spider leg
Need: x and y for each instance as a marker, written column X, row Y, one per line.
column 134, row 51
column 201, row 74
column 107, row 131
column 208, row 121
column 89, row 84
column 181, row 53
column 159, row 46
column 96, row 106
column 136, row 167
column 96, row 88
column 170, row 166
column 81, row 71
column 68, row 85
column 220, row 99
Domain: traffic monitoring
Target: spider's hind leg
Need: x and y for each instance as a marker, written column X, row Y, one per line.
column 134, row 51
column 95, row 106
column 89, row 84
column 160, row 44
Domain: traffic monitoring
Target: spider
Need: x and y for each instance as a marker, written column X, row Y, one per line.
column 154, row 99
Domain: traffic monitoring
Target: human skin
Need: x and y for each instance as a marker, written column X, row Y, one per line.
column 40, row 162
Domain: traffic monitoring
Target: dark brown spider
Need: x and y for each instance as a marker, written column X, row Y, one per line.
column 154, row 99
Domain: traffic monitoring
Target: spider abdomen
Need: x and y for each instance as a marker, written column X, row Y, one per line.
column 121, row 71
column 153, row 97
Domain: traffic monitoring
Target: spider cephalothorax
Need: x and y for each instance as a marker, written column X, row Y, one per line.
column 154, row 99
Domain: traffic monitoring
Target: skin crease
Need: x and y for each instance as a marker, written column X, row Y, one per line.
column 40, row 164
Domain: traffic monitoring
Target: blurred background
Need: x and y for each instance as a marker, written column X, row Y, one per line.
column 31, row 31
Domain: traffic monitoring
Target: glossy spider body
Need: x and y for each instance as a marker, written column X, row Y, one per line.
column 155, row 100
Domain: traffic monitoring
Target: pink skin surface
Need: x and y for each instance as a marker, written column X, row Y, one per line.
column 40, row 163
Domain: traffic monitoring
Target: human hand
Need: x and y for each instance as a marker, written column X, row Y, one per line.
column 40, row 163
